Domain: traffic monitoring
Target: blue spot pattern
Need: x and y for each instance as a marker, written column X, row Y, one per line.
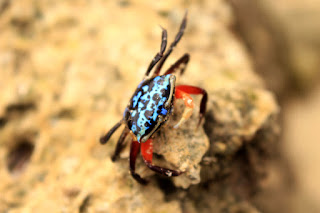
column 147, row 105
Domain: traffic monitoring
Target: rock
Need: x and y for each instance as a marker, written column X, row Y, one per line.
column 67, row 76
column 183, row 147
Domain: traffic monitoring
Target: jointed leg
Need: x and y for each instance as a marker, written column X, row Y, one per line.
column 186, row 89
column 147, row 153
column 180, row 65
column 173, row 44
column 159, row 55
column 188, row 102
column 120, row 144
column 134, row 150
column 104, row 139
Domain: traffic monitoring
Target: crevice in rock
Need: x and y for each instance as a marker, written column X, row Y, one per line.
column 65, row 114
column 85, row 203
column 4, row 5
column 19, row 156
column 18, row 109
column 167, row 186
column 3, row 122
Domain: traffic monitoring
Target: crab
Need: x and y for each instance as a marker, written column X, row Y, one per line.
column 151, row 105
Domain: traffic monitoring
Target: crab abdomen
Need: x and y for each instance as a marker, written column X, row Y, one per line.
column 150, row 106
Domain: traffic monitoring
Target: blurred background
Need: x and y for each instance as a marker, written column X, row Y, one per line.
column 283, row 39
column 279, row 40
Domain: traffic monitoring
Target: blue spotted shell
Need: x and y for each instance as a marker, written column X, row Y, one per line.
column 150, row 106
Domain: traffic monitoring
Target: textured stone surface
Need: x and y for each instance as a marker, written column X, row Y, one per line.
column 68, row 70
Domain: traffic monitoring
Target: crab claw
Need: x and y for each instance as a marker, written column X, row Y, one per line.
column 186, row 114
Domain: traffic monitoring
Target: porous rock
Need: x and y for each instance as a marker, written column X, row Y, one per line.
column 68, row 70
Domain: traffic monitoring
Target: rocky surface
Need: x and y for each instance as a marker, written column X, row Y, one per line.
column 68, row 70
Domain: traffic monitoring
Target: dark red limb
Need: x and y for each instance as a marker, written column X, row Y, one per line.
column 147, row 153
column 196, row 91
column 104, row 139
column 180, row 65
column 120, row 144
column 173, row 44
column 159, row 55
column 134, row 150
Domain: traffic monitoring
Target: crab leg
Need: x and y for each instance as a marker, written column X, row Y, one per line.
column 182, row 92
column 134, row 150
column 147, row 153
column 104, row 139
column 120, row 144
column 188, row 102
column 180, row 65
column 159, row 55
column 173, row 44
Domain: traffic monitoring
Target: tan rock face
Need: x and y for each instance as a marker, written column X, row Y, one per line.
column 68, row 70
